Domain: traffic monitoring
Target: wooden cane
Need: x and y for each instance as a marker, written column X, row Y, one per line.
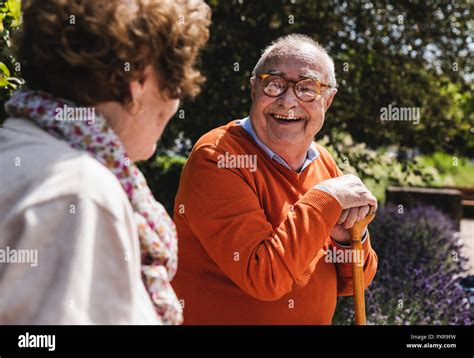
column 358, row 266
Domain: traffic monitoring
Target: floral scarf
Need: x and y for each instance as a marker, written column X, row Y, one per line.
column 91, row 133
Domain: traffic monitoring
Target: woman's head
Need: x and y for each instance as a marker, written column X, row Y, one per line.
column 89, row 50
column 132, row 59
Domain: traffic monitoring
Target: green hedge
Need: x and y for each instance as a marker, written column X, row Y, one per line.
column 10, row 78
column 162, row 174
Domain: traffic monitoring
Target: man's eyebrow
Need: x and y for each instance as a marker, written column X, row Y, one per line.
column 304, row 74
column 311, row 74
column 275, row 72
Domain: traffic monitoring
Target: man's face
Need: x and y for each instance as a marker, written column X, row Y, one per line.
column 304, row 119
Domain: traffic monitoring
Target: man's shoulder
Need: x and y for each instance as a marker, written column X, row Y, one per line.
column 228, row 137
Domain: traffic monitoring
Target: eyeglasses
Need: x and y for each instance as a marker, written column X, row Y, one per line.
column 306, row 89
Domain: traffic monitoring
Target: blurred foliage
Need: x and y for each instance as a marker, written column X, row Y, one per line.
column 378, row 169
column 382, row 168
column 10, row 78
column 162, row 174
column 408, row 54
column 453, row 171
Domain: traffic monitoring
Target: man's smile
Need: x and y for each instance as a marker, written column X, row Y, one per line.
column 285, row 119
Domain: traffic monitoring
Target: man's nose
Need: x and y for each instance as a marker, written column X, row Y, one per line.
column 288, row 99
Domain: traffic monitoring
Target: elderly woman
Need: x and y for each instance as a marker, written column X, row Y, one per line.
column 82, row 239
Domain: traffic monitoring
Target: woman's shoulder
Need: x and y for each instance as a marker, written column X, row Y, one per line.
column 37, row 167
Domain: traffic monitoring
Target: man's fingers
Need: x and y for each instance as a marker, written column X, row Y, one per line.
column 371, row 200
column 365, row 198
column 343, row 216
column 363, row 211
column 368, row 199
column 351, row 218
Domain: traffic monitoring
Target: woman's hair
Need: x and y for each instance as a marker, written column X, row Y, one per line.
column 89, row 50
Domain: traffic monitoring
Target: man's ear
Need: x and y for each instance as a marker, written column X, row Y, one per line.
column 252, row 88
column 330, row 96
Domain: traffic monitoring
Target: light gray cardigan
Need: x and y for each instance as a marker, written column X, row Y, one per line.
column 69, row 250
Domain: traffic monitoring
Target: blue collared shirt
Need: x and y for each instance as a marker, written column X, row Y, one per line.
column 311, row 155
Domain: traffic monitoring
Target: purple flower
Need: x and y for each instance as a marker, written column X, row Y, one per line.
column 417, row 281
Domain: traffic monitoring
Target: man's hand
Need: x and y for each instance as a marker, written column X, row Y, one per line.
column 355, row 200
column 341, row 232
column 349, row 216
column 350, row 192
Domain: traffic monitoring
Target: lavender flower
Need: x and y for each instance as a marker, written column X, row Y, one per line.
column 417, row 281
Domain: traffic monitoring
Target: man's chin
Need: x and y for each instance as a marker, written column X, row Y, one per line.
column 287, row 134
column 287, row 139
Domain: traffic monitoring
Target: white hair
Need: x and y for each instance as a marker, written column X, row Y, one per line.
column 289, row 44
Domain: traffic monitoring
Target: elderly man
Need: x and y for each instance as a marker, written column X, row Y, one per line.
column 261, row 206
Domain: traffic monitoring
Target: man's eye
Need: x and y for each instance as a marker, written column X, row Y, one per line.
column 274, row 86
column 307, row 89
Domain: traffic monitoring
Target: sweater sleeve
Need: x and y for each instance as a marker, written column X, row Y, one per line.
column 223, row 210
column 344, row 270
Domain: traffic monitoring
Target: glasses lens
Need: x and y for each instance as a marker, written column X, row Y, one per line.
column 273, row 86
column 307, row 90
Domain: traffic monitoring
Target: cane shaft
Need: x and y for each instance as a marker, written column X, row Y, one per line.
column 358, row 267
column 358, row 282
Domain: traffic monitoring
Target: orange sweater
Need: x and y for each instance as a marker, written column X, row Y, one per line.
column 252, row 243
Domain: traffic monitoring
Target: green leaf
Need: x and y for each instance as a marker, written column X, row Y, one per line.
column 5, row 76
column 4, row 69
column 14, row 11
column 1, row 22
column 3, row 82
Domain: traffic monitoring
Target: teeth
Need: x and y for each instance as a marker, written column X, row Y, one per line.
column 277, row 116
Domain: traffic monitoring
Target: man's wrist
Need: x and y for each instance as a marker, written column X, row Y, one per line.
column 327, row 190
column 348, row 245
